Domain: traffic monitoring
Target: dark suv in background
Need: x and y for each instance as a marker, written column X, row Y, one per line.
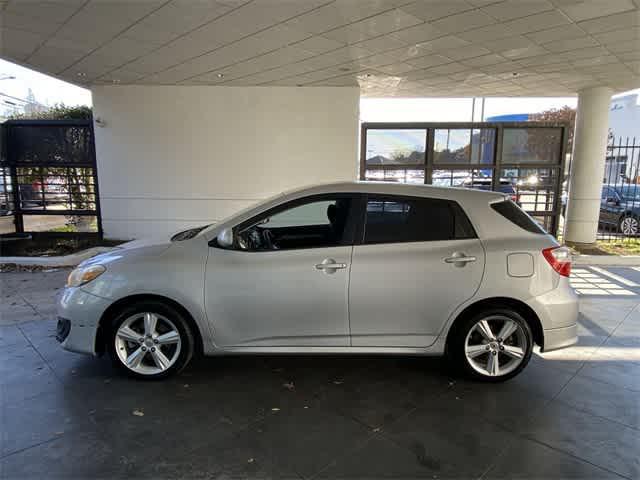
column 620, row 207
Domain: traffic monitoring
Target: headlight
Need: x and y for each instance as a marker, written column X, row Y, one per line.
column 82, row 275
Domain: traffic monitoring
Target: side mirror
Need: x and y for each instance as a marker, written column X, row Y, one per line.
column 225, row 238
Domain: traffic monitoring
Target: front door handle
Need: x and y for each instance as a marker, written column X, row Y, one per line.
column 459, row 259
column 329, row 265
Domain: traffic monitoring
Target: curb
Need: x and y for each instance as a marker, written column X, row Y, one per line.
column 61, row 261
column 611, row 260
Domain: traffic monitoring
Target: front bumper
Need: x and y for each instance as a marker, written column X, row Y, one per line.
column 79, row 313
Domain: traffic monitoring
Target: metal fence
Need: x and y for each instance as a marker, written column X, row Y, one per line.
column 48, row 179
column 522, row 159
column 620, row 200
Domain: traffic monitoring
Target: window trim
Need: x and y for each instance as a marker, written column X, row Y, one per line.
column 351, row 226
column 392, row 197
column 539, row 230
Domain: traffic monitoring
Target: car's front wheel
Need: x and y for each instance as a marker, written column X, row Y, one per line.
column 150, row 340
column 492, row 346
column 629, row 225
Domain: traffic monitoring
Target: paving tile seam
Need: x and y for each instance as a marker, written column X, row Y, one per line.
column 378, row 432
column 46, row 362
column 521, row 435
column 446, row 389
column 573, row 455
column 358, row 446
column 592, row 353
column 498, row 457
column 599, row 346
column 24, row 449
column 586, row 375
column 595, row 415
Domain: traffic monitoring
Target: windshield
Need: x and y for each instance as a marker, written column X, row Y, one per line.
column 630, row 193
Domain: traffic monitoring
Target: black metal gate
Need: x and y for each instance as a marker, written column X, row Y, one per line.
column 522, row 159
column 48, row 179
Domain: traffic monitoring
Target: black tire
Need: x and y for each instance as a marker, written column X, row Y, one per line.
column 187, row 343
column 456, row 345
column 632, row 217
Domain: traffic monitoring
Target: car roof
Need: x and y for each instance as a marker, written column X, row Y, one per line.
column 394, row 188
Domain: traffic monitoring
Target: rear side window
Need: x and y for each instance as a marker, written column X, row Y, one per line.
column 514, row 214
column 414, row 219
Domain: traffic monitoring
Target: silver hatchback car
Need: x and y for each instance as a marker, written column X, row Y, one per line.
column 342, row 268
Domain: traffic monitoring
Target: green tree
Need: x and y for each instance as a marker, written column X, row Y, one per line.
column 59, row 111
column 564, row 114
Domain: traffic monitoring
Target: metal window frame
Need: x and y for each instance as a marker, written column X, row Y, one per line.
column 496, row 166
column 9, row 161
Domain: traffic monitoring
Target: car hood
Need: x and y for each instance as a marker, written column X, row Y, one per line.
column 144, row 247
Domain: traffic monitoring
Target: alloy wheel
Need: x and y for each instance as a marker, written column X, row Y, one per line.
column 629, row 225
column 148, row 343
column 496, row 346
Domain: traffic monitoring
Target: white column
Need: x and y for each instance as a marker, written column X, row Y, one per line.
column 587, row 165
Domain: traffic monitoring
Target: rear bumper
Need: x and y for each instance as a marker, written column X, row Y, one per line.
column 562, row 337
column 558, row 314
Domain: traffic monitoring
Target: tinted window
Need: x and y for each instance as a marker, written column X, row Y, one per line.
column 514, row 214
column 315, row 223
column 402, row 219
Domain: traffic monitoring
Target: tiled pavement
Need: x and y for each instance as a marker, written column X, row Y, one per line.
column 574, row 413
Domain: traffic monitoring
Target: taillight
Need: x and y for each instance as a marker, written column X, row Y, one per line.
column 559, row 258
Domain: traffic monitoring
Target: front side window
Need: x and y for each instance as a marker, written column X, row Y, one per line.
column 315, row 223
column 406, row 219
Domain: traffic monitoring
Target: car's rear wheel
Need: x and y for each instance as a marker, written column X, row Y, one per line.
column 629, row 225
column 150, row 340
column 492, row 346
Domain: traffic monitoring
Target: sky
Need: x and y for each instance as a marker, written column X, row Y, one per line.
column 49, row 91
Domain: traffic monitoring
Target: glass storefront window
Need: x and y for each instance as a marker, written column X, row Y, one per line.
column 396, row 147
column 464, row 146
column 399, row 175
column 531, row 145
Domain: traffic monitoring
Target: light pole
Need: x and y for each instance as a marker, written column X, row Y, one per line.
column 7, row 77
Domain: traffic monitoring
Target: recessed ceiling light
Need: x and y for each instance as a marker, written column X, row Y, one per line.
column 220, row 75
column 344, row 69
column 81, row 74
column 115, row 80
column 515, row 74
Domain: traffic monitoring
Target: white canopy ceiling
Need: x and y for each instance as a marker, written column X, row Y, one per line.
column 388, row 47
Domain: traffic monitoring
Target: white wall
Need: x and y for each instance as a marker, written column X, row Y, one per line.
column 172, row 157
column 624, row 118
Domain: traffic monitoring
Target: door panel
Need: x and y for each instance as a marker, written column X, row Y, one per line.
column 401, row 294
column 278, row 298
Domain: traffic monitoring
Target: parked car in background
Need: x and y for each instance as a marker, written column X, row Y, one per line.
column 356, row 268
column 620, row 208
column 51, row 191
